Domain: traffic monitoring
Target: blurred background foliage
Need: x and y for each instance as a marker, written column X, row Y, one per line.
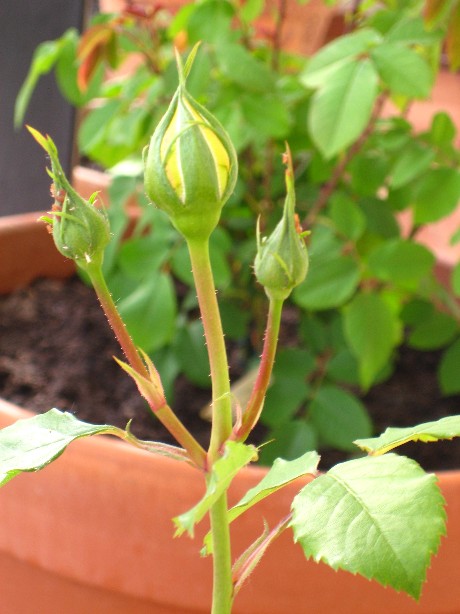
column 371, row 287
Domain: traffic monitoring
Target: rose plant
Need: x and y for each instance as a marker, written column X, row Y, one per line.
column 379, row 515
column 356, row 172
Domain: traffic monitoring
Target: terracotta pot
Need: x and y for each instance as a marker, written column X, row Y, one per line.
column 92, row 532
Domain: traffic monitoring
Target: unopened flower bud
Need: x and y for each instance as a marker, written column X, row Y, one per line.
column 281, row 262
column 80, row 231
column 191, row 164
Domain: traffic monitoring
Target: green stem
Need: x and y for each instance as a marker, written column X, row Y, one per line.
column 160, row 408
column 222, row 595
column 256, row 401
column 210, row 315
column 221, row 419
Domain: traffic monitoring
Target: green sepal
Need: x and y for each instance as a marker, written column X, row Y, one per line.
column 151, row 389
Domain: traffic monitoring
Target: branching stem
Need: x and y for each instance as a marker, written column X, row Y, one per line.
column 161, row 409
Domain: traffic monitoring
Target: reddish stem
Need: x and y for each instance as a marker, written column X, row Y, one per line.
column 256, row 401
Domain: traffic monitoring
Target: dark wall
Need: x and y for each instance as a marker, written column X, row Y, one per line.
column 24, row 185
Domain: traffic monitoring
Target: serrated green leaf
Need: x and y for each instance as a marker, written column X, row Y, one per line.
column 66, row 71
column 338, row 417
column 220, row 266
column 342, row 107
column 43, row 60
column 448, row 373
column 455, row 278
column 251, row 9
column 236, row 456
column 150, row 312
column 411, row 162
column 314, row 332
column 190, row 352
column 416, row 311
column 181, row 264
column 403, row 70
column 293, row 363
column 141, row 256
column 347, row 216
column 273, row 122
column 284, row 397
column 381, row 517
column 401, row 262
column 380, row 219
column 329, row 283
column 94, row 128
column 332, row 56
column 443, row 130
column 445, row 428
column 343, row 367
column 411, row 31
column 368, row 173
column 371, row 329
column 235, row 319
column 231, row 116
column 436, row 331
column 210, row 22
column 437, row 194
column 241, row 67
column 31, row 444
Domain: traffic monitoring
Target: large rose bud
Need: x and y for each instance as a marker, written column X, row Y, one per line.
column 191, row 165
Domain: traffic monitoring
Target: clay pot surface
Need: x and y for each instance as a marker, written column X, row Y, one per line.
column 95, row 528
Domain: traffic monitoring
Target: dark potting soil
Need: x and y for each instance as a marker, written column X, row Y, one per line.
column 56, row 350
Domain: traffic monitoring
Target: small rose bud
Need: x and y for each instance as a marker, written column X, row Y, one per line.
column 80, row 231
column 191, row 164
column 281, row 262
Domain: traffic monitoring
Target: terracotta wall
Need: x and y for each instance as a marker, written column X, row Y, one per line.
column 305, row 29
